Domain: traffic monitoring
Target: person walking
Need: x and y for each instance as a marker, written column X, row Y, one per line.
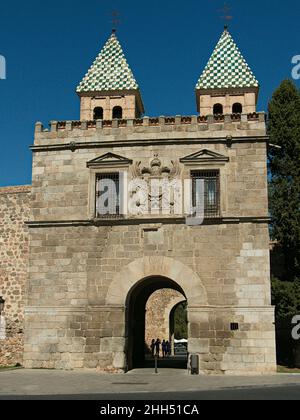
column 164, row 348
column 168, row 349
column 152, row 347
column 157, row 347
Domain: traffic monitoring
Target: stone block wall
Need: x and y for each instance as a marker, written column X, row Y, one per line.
column 158, row 309
column 247, row 350
column 62, row 183
column 70, row 324
column 82, row 269
column 127, row 103
column 14, row 252
column 207, row 102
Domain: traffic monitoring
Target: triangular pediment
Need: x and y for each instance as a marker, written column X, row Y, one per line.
column 109, row 159
column 204, row 156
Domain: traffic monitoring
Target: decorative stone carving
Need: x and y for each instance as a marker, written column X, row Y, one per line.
column 155, row 187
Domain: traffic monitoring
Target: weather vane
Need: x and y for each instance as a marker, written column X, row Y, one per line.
column 115, row 19
column 226, row 13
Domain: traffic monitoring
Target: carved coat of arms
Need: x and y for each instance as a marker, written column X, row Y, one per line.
column 155, row 189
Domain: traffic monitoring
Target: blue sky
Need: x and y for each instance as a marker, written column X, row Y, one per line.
column 49, row 46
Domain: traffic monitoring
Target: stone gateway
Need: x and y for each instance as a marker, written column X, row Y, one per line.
column 94, row 261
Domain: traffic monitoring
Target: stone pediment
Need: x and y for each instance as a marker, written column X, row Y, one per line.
column 109, row 159
column 205, row 156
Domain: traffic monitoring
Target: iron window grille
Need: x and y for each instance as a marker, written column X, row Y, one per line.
column 108, row 196
column 211, row 192
column 234, row 326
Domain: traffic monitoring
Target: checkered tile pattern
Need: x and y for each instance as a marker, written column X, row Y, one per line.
column 110, row 70
column 227, row 67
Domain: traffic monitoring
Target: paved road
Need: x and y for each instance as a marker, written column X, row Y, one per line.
column 143, row 384
column 267, row 393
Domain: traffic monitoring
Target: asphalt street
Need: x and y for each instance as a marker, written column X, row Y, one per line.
column 143, row 384
column 283, row 393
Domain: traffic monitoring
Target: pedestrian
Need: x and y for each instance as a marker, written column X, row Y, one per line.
column 168, row 347
column 152, row 347
column 157, row 347
column 164, row 348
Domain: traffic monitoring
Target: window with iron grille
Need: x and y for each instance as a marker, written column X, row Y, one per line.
column 211, row 187
column 108, row 195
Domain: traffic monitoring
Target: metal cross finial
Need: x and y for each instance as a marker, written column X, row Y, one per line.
column 115, row 20
column 226, row 14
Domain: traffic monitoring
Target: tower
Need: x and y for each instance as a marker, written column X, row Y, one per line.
column 227, row 84
column 109, row 89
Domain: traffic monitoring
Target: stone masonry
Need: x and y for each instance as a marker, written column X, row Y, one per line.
column 81, row 268
column 158, row 311
column 14, row 211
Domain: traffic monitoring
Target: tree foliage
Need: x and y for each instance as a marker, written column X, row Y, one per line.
column 180, row 322
column 286, row 298
column 284, row 163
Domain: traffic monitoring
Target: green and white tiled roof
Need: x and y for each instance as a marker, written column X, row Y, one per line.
column 227, row 67
column 110, row 71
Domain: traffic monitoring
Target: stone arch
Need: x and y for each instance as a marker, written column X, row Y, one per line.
column 117, row 112
column 218, row 109
column 153, row 266
column 157, row 322
column 98, row 113
column 171, row 311
column 237, row 108
column 175, row 302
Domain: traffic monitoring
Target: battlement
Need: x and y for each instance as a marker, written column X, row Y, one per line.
column 214, row 123
column 19, row 189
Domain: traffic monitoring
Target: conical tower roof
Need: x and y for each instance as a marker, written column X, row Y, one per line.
column 227, row 68
column 110, row 71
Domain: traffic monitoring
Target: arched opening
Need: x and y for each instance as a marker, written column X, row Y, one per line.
column 237, row 108
column 218, row 109
column 178, row 329
column 138, row 351
column 98, row 113
column 117, row 112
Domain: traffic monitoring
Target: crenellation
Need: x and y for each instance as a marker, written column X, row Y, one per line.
column 230, row 122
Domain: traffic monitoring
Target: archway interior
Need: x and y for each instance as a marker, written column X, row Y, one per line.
column 176, row 331
column 135, row 317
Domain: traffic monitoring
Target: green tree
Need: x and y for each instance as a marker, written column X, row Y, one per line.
column 286, row 298
column 180, row 321
column 284, row 164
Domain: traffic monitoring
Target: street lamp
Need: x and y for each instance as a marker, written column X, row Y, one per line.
column 2, row 302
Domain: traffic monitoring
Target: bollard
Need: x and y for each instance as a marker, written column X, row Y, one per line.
column 194, row 364
column 156, row 370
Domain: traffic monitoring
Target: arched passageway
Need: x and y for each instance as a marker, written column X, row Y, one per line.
column 176, row 331
column 158, row 310
column 138, row 354
column 129, row 291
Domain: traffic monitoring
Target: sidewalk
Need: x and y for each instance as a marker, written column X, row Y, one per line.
column 51, row 382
